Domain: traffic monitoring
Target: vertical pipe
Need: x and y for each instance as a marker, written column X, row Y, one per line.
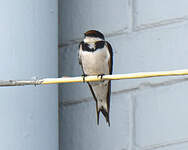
column 28, row 115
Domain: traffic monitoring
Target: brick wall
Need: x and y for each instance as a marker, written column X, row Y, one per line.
column 146, row 114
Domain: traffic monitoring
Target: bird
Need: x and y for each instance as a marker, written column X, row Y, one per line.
column 96, row 58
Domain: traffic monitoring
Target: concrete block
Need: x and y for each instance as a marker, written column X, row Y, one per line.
column 160, row 115
column 146, row 51
column 76, row 18
column 148, row 12
column 80, row 130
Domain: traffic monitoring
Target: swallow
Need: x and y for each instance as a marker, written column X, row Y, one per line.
column 96, row 58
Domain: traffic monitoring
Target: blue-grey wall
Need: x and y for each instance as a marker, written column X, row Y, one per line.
column 146, row 114
column 28, row 45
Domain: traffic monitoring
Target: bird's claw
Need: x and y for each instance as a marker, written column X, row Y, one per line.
column 100, row 75
column 84, row 75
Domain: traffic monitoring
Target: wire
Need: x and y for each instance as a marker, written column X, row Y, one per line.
column 94, row 78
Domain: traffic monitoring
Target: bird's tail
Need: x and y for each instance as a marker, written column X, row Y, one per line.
column 101, row 93
column 102, row 107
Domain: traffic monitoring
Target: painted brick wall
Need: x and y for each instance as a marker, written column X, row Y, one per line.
column 146, row 114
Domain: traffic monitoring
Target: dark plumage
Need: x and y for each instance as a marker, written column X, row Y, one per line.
column 94, row 33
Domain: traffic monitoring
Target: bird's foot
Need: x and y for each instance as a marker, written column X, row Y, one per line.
column 84, row 75
column 100, row 75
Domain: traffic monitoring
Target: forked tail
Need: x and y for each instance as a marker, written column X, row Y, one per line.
column 102, row 107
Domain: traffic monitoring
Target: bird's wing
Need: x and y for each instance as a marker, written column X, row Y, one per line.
column 110, row 62
column 79, row 56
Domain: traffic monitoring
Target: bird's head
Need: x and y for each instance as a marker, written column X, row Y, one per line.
column 93, row 36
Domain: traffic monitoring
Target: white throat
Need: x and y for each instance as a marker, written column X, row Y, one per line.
column 91, row 40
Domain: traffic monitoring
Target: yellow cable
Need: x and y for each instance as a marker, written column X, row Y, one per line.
column 115, row 77
column 93, row 78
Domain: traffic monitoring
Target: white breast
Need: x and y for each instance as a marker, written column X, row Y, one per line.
column 96, row 62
